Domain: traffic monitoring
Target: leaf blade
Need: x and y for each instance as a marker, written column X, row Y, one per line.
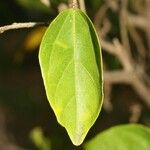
column 124, row 137
column 71, row 73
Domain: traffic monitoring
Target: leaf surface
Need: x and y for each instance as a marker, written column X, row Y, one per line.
column 122, row 137
column 71, row 65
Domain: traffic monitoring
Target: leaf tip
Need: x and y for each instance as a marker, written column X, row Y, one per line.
column 77, row 138
column 77, row 141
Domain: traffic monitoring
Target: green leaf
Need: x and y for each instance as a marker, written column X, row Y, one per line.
column 34, row 5
column 122, row 137
column 38, row 138
column 71, row 64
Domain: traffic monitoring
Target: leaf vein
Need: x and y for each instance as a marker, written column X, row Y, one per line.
column 67, row 103
column 89, row 74
column 54, row 42
column 62, row 76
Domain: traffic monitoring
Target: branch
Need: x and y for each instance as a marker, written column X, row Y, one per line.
column 148, row 23
column 115, row 77
column 123, row 25
column 116, row 49
column 132, row 73
column 130, row 78
column 21, row 25
column 129, row 74
column 136, row 111
column 137, row 21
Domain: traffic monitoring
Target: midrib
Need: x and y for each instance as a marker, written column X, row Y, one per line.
column 76, row 81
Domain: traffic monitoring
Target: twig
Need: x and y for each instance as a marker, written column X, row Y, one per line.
column 62, row 6
column 148, row 23
column 82, row 5
column 135, row 110
column 141, row 89
column 130, row 78
column 123, row 25
column 113, row 4
column 100, row 15
column 106, row 27
column 107, row 92
column 137, row 21
column 117, row 49
column 141, row 50
column 116, row 77
column 73, row 3
column 21, row 25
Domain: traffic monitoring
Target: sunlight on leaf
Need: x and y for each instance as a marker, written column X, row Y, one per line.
column 71, row 65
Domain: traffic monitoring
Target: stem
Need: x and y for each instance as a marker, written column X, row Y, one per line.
column 82, row 5
column 74, row 4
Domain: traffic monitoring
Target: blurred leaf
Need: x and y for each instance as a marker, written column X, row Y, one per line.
column 122, row 137
column 33, row 4
column 33, row 39
column 40, row 141
column 71, row 64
